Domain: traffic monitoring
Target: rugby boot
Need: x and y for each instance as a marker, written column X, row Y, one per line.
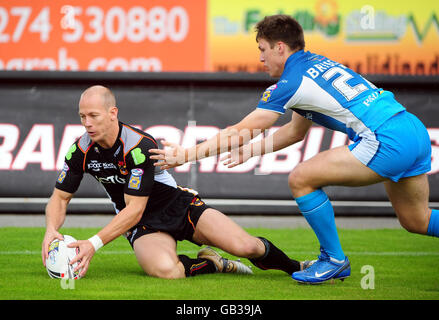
column 324, row 269
column 223, row 264
column 306, row 264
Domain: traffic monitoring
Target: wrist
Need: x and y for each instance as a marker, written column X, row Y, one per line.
column 96, row 241
column 190, row 154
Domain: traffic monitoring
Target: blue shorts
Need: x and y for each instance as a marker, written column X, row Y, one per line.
column 399, row 148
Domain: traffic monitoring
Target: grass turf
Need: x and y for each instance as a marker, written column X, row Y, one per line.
column 405, row 266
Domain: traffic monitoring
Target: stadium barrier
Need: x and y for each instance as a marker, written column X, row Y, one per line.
column 39, row 122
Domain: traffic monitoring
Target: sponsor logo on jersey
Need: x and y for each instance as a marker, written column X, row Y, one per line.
column 135, row 179
column 71, row 151
column 138, row 156
column 111, row 179
column 267, row 93
column 63, row 173
column 371, row 98
column 97, row 166
column 94, row 165
column 110, row 165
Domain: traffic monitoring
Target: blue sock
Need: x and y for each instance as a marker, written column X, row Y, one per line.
column 319, row 213
column 433, row 225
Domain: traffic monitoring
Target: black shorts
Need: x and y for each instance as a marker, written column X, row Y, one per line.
column 179, row 219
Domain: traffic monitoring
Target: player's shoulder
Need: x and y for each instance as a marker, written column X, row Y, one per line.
column 79, row 148
column 283, row 89
column 278, row 94
column 293, row 72
column 74, row 158
column 133, row 137
column 83, row 143
column 314, row 65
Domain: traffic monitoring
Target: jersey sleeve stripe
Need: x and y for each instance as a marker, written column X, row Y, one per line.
column 85, row 155
column 277, row 109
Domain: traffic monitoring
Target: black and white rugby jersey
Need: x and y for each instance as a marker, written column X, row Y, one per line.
column 123, row 168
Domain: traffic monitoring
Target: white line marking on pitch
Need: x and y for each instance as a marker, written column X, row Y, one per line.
column 354, row 253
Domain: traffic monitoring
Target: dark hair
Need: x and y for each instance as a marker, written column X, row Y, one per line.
column 283, row 28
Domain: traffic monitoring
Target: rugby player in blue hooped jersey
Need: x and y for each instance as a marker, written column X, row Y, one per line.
column 390, row 145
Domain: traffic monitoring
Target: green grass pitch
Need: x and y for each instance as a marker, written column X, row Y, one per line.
column 386, row 265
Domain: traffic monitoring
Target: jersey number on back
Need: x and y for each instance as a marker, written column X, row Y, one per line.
column 340, row 83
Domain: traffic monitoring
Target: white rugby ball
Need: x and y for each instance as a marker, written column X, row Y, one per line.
column 58, row 261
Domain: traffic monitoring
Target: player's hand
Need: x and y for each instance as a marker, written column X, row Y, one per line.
column 49, row 236
column 86, row 253
column 237, row 156
column 172, row 156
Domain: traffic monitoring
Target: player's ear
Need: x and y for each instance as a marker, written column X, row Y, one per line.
column 114, row 113
column 280, row 47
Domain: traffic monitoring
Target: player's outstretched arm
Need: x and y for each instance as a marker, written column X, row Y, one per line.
column 56, row 210
column 227, row 139
column 125, row 219
column 121, row 223
column 289, row 134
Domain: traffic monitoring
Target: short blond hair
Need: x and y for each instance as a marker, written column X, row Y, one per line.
column 106, row 94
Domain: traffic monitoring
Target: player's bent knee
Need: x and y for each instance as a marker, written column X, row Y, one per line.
column 296, row 180
column 414, row 227
column 165, row 271
column 414, row 224
column 410, row 228
column 248, row 248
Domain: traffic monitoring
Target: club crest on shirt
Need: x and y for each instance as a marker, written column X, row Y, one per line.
column 122, row 167
column 267, row 93
column 135, row 179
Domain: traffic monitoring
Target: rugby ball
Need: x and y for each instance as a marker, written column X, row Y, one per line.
column 58, row 262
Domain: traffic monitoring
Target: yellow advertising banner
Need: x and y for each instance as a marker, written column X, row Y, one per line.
column 369, row 36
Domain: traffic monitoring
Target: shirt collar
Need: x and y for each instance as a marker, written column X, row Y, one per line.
column 292, row 59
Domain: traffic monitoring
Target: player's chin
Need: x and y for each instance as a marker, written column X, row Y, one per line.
column 94, row 137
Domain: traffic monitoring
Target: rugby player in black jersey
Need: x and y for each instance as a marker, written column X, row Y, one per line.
column 151, row 210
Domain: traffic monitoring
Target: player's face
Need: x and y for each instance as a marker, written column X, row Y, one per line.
column 271, row 58
column 97, row 120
